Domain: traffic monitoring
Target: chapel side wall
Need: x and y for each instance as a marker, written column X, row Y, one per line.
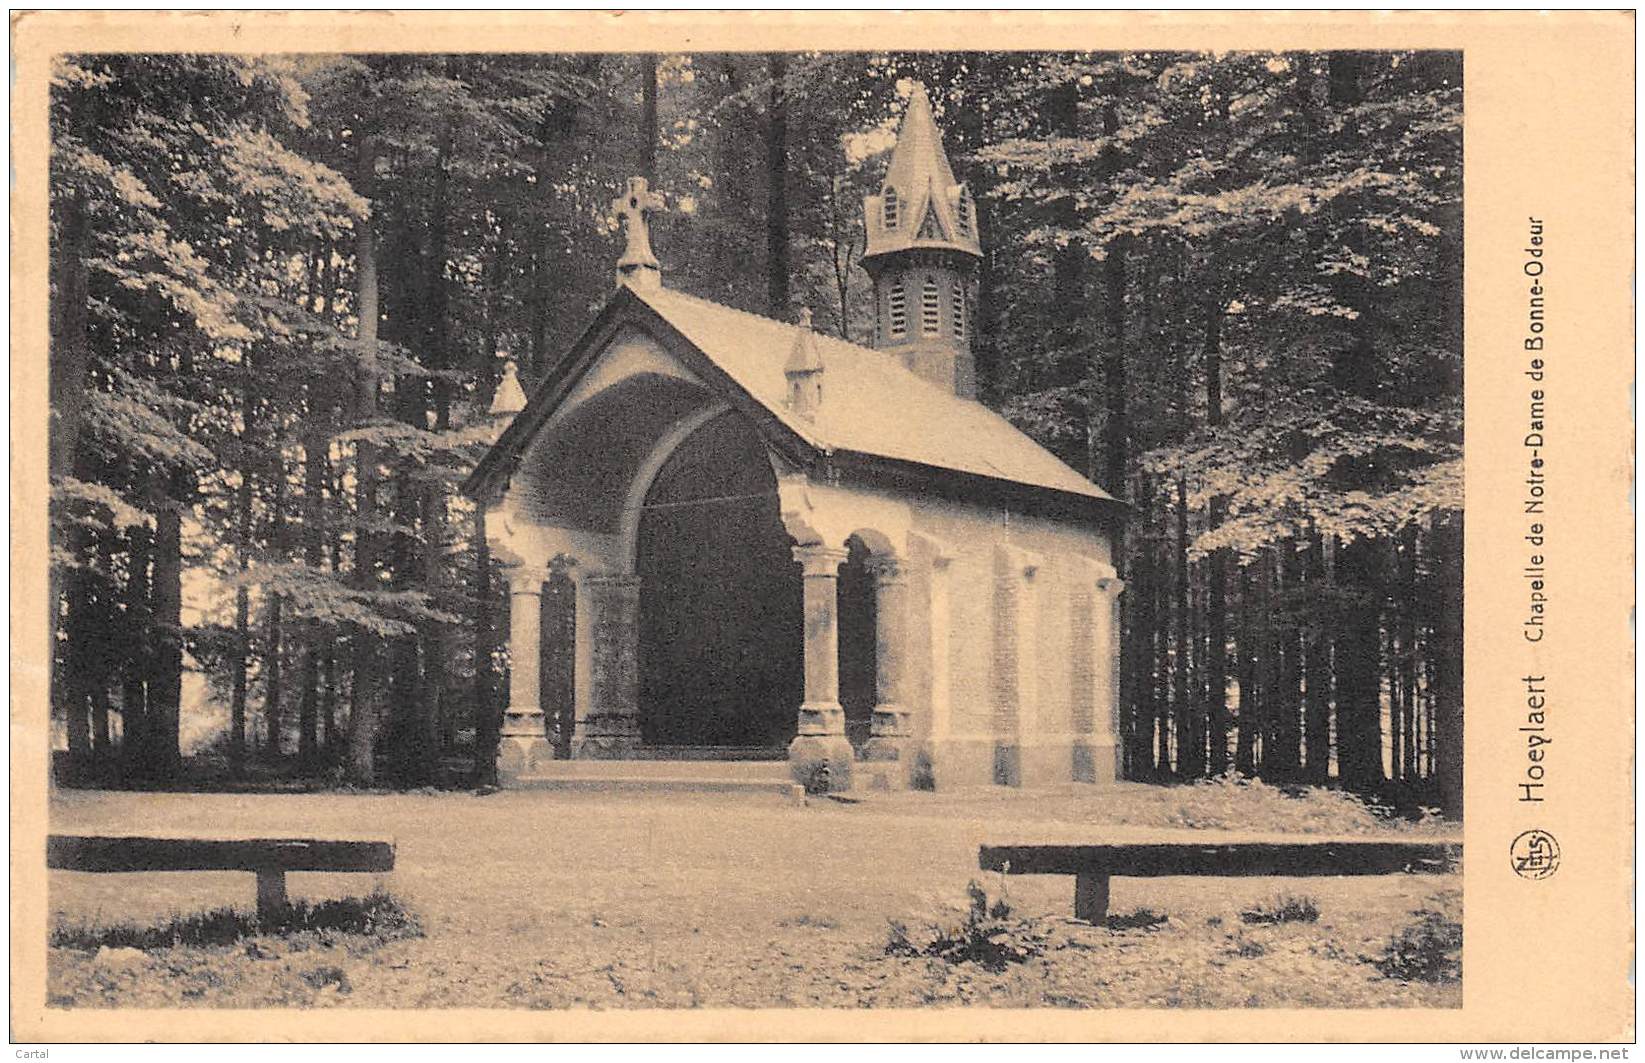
column 1047, row 668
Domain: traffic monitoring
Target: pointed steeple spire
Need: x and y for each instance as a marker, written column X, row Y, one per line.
column 919, row 158
column 923, row 254
column 921, row 204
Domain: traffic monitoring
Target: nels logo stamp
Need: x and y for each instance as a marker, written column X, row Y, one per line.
column 1535, row 854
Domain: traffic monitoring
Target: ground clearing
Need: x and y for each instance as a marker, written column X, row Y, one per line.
column 543, row 900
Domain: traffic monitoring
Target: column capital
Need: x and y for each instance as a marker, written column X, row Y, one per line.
column 526, row 579
column 819, row 560
column 889, row 571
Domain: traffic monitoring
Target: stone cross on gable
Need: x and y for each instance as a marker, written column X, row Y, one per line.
column 639, row 265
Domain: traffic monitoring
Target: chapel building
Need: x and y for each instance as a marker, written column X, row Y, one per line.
column 735, row 537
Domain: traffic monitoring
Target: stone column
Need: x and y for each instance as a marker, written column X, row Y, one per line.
column 524, row 743
column 941, row 723
column 891, row 724
column 820, row 756
column 611, row 726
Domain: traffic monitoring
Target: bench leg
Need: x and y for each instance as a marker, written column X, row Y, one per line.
column 1091, row 897
column 271, row 895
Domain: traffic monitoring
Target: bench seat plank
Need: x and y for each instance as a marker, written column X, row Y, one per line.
column 1093, row 865
column 130, row 852
column 1230, row 858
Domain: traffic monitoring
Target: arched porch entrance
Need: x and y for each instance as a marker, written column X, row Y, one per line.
column 717, row 594
column 720, row 638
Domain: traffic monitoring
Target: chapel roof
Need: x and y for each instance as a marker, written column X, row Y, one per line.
column 872, row 406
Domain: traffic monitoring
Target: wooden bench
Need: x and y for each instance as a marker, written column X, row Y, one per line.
column 269, row 858
column 1093, row 865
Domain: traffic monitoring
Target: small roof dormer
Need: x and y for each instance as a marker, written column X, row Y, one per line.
column 921, row 205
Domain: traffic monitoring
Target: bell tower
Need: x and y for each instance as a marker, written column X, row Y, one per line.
column 923, row 255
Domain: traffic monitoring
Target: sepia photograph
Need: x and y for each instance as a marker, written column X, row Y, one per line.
column 809, row 528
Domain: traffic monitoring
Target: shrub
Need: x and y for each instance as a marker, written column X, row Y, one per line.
column 1429, row 950
column 815, row 777
column 1140, row 919
column 327, row 975
column 377, row 915
column 985, row 935
column 1284, row 908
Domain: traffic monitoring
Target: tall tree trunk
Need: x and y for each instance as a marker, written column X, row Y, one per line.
column 246, row 542
column 134, row 716
column 406, row 709
column 1139, row 643
column 1270, row 698
column 1358, row 668
column 1216, row 599
column 316, row 473
column 649, row 132
column 1410, row 651
column 776, row 194
column 70, row 347
column 438, row 728
column 1116, row 425
column 1245, row 639
column 274, row 640
column 237, row 695
column 1394, row 650
column 437, row 301
column 331, row 678
column 316, row 463
column 166, row 683
column 1317, row 716
column 1068, row 262
column 1190, row 739
column 1161, row 667
column 76, row 700
column 102, row 737
column 105, row 618
column 437, row 636
column 488, row 710
column 1448, row 691
column 1287, row 699
column 69, row 359
column 537, row 320
column 363, row 720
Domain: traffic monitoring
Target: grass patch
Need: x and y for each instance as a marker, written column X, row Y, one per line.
column 985, row 934
column 1429, row 950
column 1140, row 919
column 378, row 915
column 1284, row 908
column 327, row 975
column 1234, row 802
